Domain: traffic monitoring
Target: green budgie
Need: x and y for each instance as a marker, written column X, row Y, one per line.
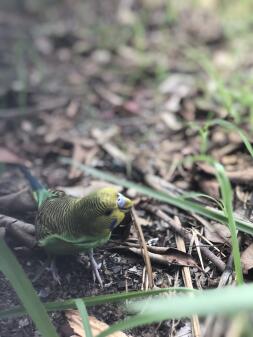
column 69, row 225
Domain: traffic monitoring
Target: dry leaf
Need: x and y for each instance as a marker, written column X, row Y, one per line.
column 242, row 176
column 247, row 258
column 217, row 233
column 75, row 321
column 210, row 187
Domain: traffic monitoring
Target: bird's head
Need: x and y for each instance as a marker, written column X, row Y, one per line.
column 114, row 206
column 103, row 210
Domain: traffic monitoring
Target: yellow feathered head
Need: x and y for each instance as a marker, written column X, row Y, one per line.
column 104, row 209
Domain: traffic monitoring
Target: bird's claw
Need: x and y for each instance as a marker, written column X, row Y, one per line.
column 95, row 269
column 54, row 271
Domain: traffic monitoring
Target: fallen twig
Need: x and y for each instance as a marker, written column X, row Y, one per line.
column 144, row 249
column 187, row 280
column 186, row 235
column 165, row 259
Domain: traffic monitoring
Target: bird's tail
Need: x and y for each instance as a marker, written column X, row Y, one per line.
column 40, row 192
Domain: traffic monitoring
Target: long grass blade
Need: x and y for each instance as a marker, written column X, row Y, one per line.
column 85, row 318
column 223, row 301
column 226, row 193
column 213, row 214
column 25, row 291
column 94, row 300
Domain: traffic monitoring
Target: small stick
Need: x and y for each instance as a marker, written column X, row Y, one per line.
column 187, row 280
column 209, row 242
column 158, row 258
column 206, row 224
column 144, row 248
column 195, row 236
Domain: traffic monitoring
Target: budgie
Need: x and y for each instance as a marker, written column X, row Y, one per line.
column 68, row 225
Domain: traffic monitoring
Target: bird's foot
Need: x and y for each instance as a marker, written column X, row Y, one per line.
column 95, row 269
column 54, row 271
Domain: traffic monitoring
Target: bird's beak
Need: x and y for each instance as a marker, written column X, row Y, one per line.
column 127, row 205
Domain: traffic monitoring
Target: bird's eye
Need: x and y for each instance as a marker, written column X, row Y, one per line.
column 108, row 212
column 120, row 201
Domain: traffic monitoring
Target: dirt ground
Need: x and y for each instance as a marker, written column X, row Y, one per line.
column 124, row 87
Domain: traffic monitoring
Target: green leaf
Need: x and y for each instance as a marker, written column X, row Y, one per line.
column 221, row 301
column 85, row 318
column 226, row 192
column 25, row 291
column 227, row 196
column 94, row 300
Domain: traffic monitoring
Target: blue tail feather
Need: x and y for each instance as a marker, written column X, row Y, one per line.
column 34, row 182
column 40, row 192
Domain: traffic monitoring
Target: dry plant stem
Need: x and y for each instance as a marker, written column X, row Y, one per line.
column 197, row 244
column 209, row 243
column 187, row 280
column 145, row 282
column 182, row 232
column 162, row 255
column 152, row 249
column 156, row 258
column 227, row 275
column 144, row 248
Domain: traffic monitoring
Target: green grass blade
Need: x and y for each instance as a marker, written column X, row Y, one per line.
column 25, row 291
column 221, row 301
column 179, row 202
column 85, row 318
column 226, row 192
column 94, row 300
